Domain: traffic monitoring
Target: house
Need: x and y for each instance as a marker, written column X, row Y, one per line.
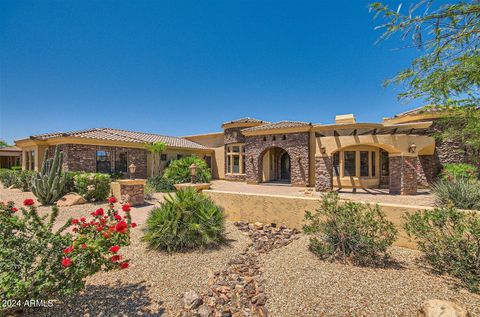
column 10, row 156
column 399, row 154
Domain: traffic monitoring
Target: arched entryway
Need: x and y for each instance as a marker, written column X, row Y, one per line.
column 276, row 166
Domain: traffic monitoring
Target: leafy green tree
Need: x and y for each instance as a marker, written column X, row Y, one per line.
column 156, row 149
column 3, row 143
column 448, row 71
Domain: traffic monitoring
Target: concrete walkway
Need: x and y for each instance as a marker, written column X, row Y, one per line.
column 423, row 198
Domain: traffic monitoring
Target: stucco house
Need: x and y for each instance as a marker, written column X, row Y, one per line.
column 399, row 154
column 10, row 156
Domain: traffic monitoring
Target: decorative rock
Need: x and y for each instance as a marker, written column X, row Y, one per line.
column 258, row 225
column 441, row 308
column 191, row 300
column 71, row 199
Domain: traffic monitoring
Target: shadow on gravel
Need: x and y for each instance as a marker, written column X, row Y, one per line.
column 104, row 300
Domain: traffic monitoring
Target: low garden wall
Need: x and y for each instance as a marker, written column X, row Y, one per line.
column 290, row 210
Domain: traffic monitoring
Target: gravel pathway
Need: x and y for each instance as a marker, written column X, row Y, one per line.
column 299, row 284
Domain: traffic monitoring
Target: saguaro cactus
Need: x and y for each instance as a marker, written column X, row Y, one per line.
column 48, row 185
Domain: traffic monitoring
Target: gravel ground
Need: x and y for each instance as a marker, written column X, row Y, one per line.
column 299, row 284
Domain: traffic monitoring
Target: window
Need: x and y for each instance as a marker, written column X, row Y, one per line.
column 384, row 164
column 374, row 171
column 179, row 156
column 121, row 162
column 284, row 137
column 274, row 138
column 336, row 164
column 208, row 161
column 163, row 157
column 364, row 163
column 236, row 159
column 350, row 164
column 104, row 164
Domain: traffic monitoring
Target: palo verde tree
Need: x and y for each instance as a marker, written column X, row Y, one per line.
column 447, row 74
column 156, row 148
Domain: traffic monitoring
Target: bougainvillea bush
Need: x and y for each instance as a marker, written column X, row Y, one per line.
column 38, row 261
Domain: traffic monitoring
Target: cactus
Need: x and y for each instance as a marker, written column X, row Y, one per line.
column 48, row 185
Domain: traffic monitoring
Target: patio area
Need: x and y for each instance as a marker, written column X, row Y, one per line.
column 423, row 198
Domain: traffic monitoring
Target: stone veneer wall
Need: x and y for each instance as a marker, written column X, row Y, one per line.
column 427, row 170
column 403, row 175
column 233, row 135
column 82, row 157
column 297, row 147
column 323, row 173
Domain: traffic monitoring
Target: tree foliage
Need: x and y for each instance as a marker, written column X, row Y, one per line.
column 155, row 148
column 448, row 71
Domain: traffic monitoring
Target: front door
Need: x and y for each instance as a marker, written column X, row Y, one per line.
column 285, row 167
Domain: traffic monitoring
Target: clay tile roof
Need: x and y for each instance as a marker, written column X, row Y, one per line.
column 278, row 125
column 10, row 148
column 419, row 110
column 123, row 135
column 246, row 120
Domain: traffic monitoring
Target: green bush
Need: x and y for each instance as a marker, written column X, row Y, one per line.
column 459, row 170
column 23, row 180
column 185, row 221
column 179, row 170
column 349, row 231
column 463, row 193
column 450, row 242
column 92, row 186
column 148, row 191
column 7, row 177
column 42, row 263
column 16, row 168
column 161, row 184
column 70, row 182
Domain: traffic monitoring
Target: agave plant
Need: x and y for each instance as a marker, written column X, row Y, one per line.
column 458, row 192
column 186, row 220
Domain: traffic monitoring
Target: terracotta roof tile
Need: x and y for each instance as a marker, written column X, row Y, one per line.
column 246, row 120
column 278, row 125
column 125, row 136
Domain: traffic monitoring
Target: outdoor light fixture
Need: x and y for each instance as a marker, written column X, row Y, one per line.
column 132, row 169
column 323, row 150
column 193, row 173
column 412, row 148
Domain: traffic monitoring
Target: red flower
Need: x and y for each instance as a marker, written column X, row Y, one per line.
column 102, row 221
column 66, row 262
column 99, row 228
column 133, row 225
column 126, row 207
column 118, row 217
column 14, row 209
column 112, row 200
column 29, row 202
column 114, row 249
column 121, row 226
column 74, row 221
column 68, row 250
column 83, row 219
column 124, row 265
column 84, row 246
column 115, row 258
column 84, row 225
column 105, row 235
column 93, row 214
column 99, row 212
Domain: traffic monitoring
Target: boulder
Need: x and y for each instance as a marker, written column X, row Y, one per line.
column 258, row 225
column 191, row 300
column 441, row 308
column 71, row 199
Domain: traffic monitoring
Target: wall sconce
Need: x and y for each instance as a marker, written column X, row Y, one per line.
column 132, row 169
column 193, row 173
column 323, row 150
column 412, row 148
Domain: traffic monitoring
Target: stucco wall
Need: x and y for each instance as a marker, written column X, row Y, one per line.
column 290, row 210
column 214, row 141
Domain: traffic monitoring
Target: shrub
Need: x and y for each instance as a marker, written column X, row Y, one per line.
column 161, row 184
column 38, row 262
column 179, row 170
column 70, row 182
column 459, row 170
column 92, row 186
column 450, row 242
column 460, row 192
column 16, row 168
column 186, row 220
column 7, row 177
column 148, row 191
column 23, row 180
column 349, row 231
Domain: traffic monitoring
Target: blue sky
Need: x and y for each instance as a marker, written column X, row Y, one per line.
column 184, row 67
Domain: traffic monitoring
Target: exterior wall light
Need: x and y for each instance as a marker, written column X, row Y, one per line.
column 193, row 173
column 412, row 148
column 132, row 169
column 323, row 150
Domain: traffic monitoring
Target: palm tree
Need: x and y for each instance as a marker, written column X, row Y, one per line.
column 155, row 148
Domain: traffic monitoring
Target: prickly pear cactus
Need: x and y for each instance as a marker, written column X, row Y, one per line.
column 48, row 185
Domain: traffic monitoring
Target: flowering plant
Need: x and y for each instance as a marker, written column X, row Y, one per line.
column 38, row 260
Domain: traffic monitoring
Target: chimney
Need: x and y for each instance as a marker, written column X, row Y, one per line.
column 345, row 119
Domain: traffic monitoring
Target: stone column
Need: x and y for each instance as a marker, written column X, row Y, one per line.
column 403, row 175
column 323, row 173
column 129, row 191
